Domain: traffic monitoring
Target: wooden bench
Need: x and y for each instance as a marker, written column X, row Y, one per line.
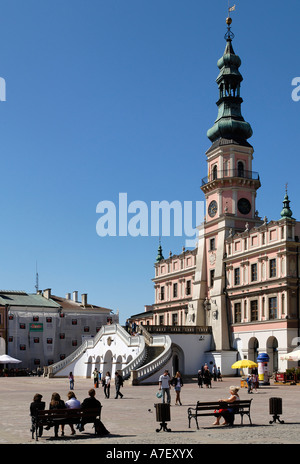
column 56, row 417
column 241, row 407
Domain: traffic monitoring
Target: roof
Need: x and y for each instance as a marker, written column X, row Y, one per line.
column 67, row 303
column 16, row 298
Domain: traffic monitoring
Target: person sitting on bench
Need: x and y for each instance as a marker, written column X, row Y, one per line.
column 228, row 412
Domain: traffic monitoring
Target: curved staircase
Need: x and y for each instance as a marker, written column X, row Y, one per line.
column 154, row 351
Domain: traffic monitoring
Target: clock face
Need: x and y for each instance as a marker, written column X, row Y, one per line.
column 212, row 208
column 244, row 206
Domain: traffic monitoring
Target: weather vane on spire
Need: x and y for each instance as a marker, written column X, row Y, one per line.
column 230, row 8
column 229, row 35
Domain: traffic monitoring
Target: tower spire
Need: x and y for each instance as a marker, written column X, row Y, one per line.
column 230, row 123
column 159, row 253
column 286, row 212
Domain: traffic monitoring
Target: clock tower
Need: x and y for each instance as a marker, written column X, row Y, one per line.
column 230, row 193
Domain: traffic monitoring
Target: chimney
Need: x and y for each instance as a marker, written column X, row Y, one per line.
column 75, row 296
column 47, row 293
column 84, row 299
column 68, row 296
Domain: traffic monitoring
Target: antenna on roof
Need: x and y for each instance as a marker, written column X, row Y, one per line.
column 36, row 279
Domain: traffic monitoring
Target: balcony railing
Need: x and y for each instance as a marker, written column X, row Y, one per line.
column 229, row 174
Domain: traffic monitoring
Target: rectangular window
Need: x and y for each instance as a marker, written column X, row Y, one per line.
column 188, row 287
column 175, row 290
column 161, row 320
column 253, row 272
column 35, row 318
column 254, row 310
column 212, row 244
column 273, row 308
column 237, row 276
column 74, row 321
column 212, row 276
column 49, row 341
column 162, row 293
column 22, row 326
column 49, row 319
column 237, row 312
column 174, row 319
column 272, row 267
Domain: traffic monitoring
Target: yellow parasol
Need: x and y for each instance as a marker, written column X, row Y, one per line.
column 243, row 363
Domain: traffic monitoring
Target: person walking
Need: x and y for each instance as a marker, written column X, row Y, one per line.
column 249, row 384
column 207, row 377
column 118, row 384
column 177, row 383
column 214, row 371
column 71, row 380
column 164, row 385
column 96, row 378
column 200, row 379
column 106, row 384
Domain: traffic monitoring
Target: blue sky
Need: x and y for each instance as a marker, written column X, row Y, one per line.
column 110, row 96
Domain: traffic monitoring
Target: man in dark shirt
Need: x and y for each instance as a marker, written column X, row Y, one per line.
column 118, row 384
column 89, row 403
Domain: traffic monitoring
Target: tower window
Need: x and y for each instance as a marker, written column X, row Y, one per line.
column 212, row 244
column 188, row 287
column 212, row 276
column 240, row 167
column 215, row 172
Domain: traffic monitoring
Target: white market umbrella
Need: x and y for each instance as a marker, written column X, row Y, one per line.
column 6, row 359
column 293, row 356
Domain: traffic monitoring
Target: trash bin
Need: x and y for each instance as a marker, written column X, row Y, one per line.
column 163, row 415
column 275, row 407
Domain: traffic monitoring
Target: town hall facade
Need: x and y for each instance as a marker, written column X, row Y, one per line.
column 242, row 278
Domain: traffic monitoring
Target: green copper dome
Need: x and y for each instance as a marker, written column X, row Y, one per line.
column 286, row 212
column 159, row 254
column 230, row 123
